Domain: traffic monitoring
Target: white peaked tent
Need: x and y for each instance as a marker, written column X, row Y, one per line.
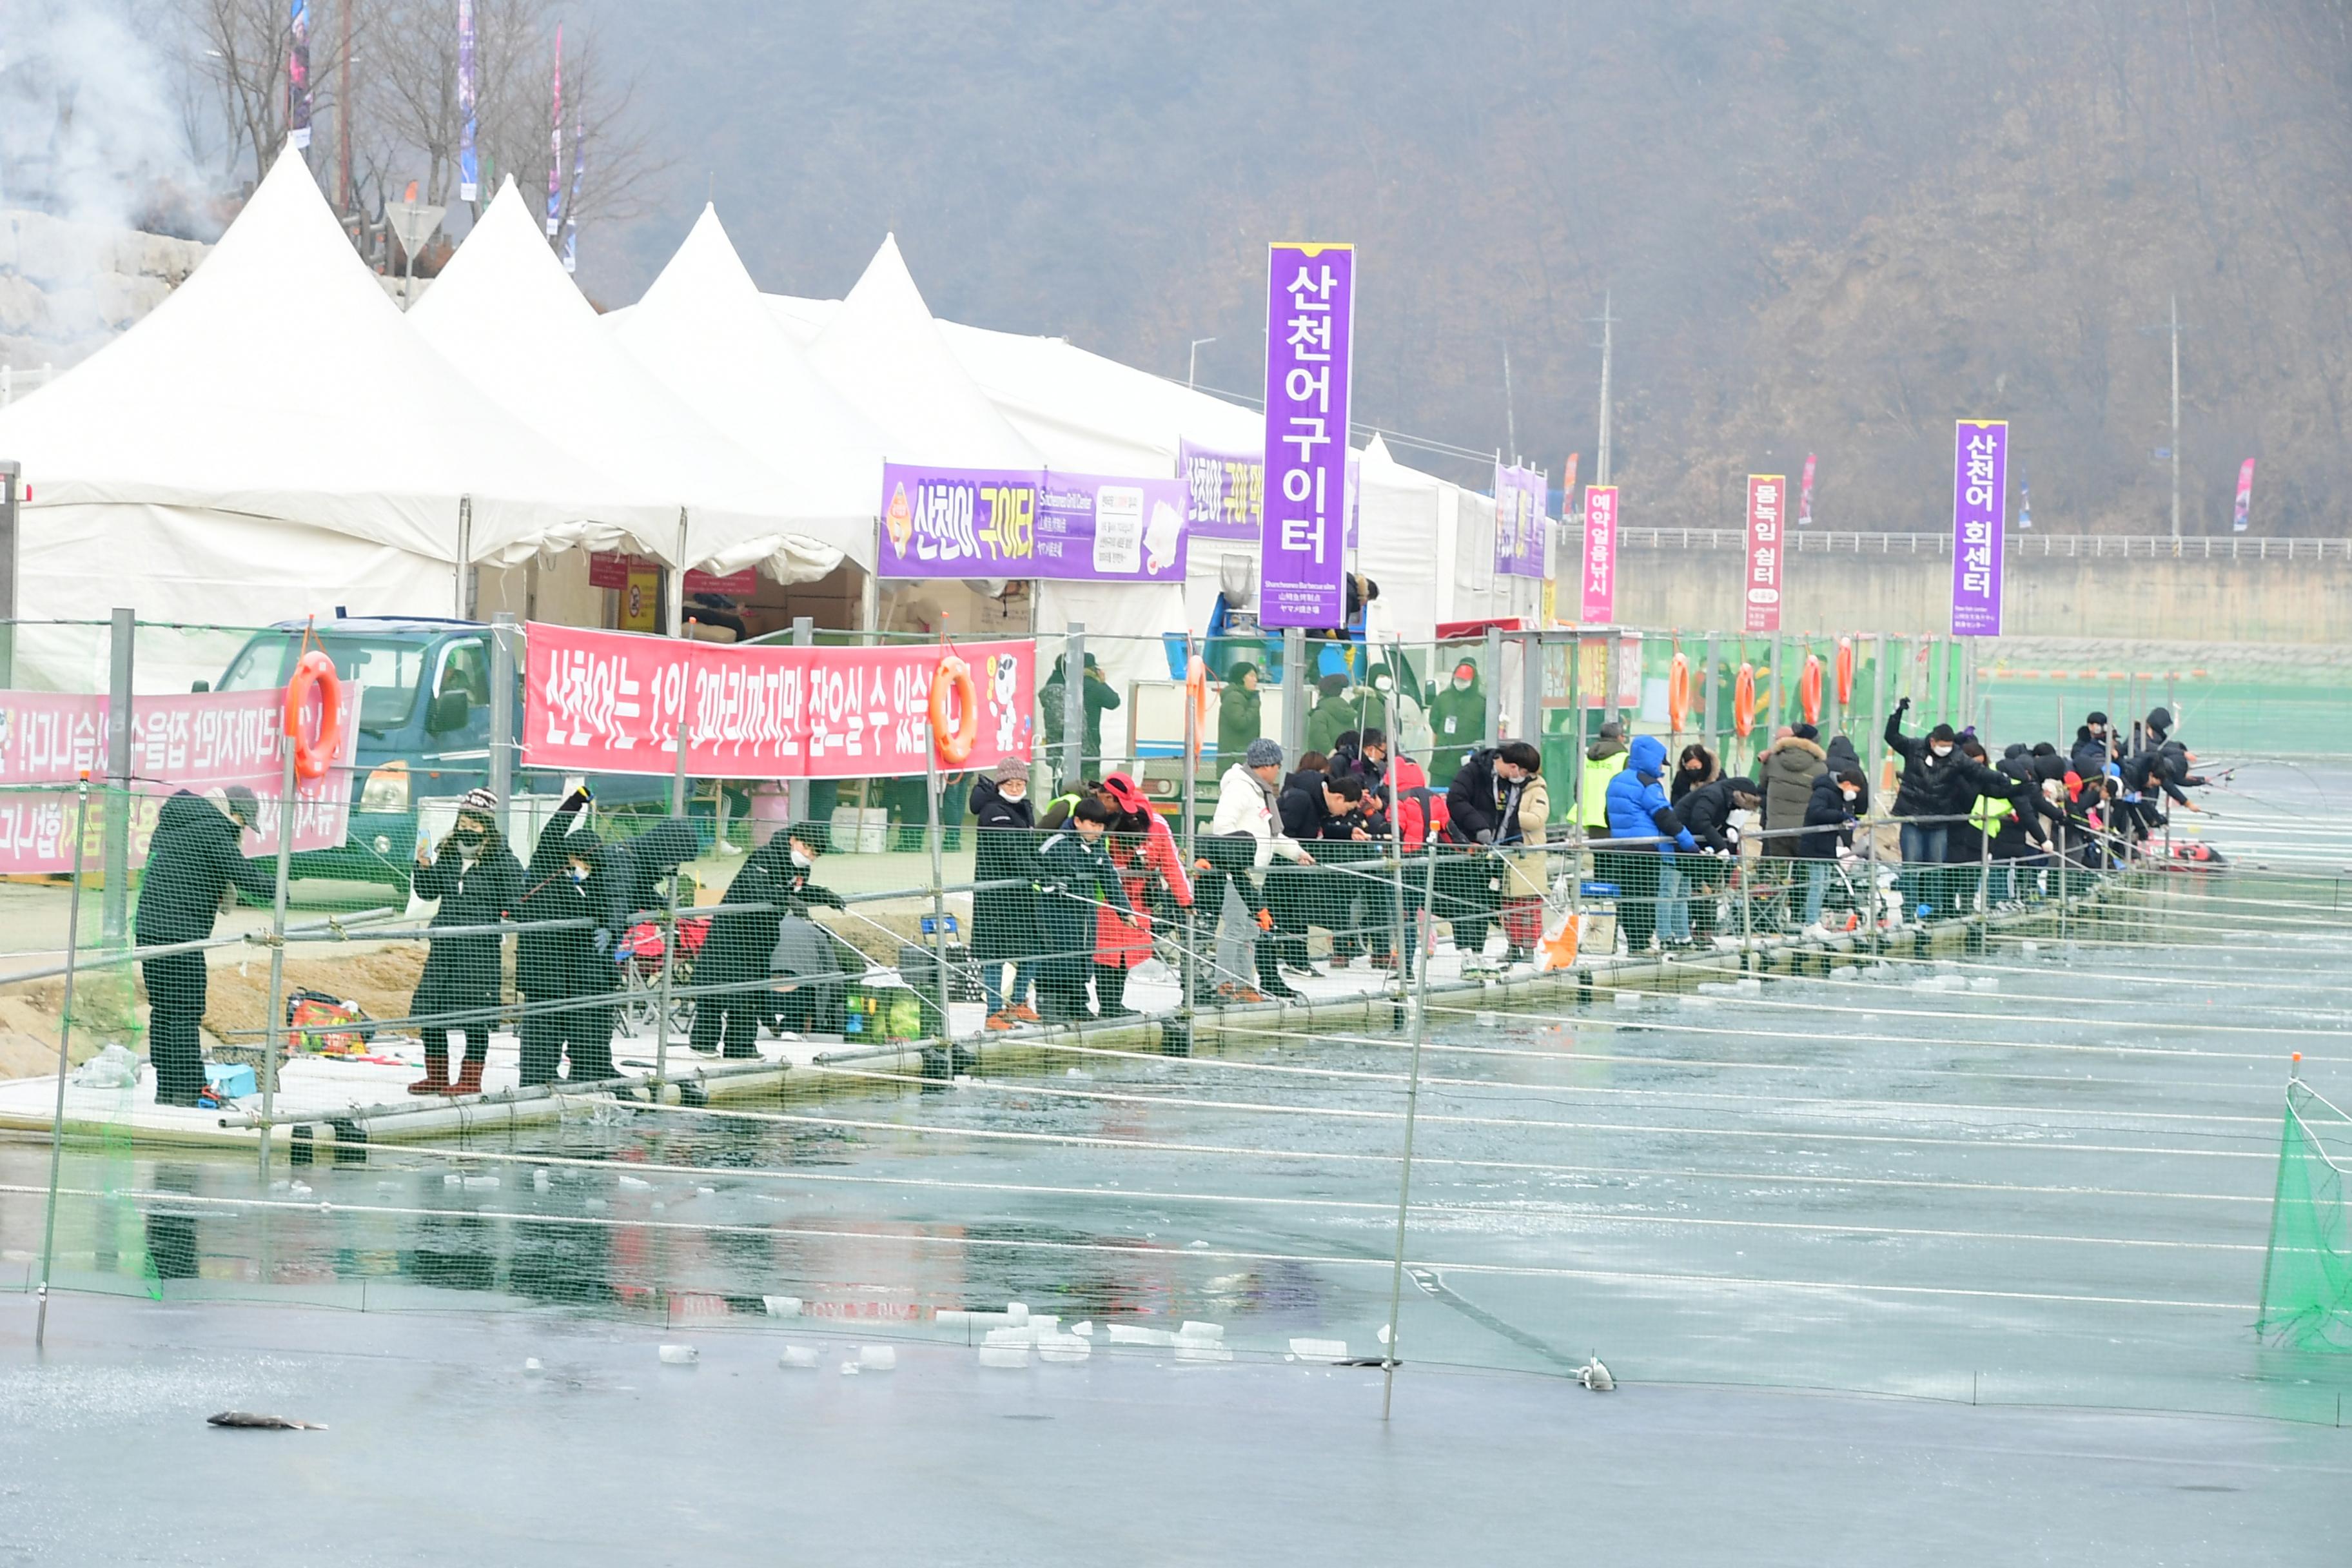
column 505, row 313
column 888, row 357
column 704, row 333
column 274, row 441
column 1089, row 413
column 1405, row 528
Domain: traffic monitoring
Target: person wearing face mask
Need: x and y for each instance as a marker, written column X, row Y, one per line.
column 1457, row 721
column 1932, row 791
column 1839, row 801
column 1695, row 766
column 732, row 971
column 477, row 879
column 1482, row 814
column 2093, row 746
column 1075, row 878
column 1004, row 920
column 1239, row 704
column 568, row 885
column 1645, row 873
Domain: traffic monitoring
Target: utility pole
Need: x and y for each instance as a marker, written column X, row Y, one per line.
column 2176, row 424
column 1608, row 323
column 1192, row 362
column 1511, row 409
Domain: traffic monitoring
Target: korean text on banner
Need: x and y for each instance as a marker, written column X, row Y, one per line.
column 1600, row 555
column 1768, row 498
column 1311, row 306
column 1979, row 514
column 1225, row 493
column 1518, row 523
column 199, row 741
column 1031, row 523
column 611, row 703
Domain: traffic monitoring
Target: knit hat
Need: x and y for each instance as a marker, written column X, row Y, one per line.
column 1807, row 732
column 1122, row 789
column 1007, row 771
column 1262, row 754
column 1942, row 732
column 237, row 803
column 480, row 801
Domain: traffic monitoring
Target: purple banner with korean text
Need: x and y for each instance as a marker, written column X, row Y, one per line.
column 1310, row 306
column 1518, row 523
column 1225, row 493
column 1979, row 511
column 1031, row 523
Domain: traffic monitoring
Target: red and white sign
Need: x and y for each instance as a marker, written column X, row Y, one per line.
column 610, row 568
column 1767, row 507
column 1599, row 572
column 612, row 702
column 197, row 741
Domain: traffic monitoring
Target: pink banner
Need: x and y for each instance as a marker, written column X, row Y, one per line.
column 1805, row 495
column 612, row 702
column 1599, row 572
column 1766, row 503
column 2243, row 514
column 198, row 742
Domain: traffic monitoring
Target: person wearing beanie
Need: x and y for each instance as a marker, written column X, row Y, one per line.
column 1004, row 920
column 1333, row 715
column 732, row 969
column 1248, row 803
column 1602, row 760
column 1150, row 866
column 196, row 855
column 477, row 879
column 1939, row 785
column 1239, row 706
column 2093, row 746
column 1457, row 721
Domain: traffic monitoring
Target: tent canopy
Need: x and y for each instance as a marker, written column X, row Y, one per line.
column 280, row 384
column 888, row 358
column 703, row 331
column 504, row 312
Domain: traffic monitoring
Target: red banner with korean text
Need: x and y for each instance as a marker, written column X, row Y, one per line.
column 199, row 742
column 614, row 703
column 1767, row 496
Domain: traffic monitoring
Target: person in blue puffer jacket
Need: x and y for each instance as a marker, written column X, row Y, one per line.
column 1639, row 809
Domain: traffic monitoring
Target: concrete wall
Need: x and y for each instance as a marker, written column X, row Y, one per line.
column 2242, row 601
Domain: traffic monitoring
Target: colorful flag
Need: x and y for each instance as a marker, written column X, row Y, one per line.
column 298, row 77
column 1768, row 509
column 2024, row 507
column 1568, row 489
column 1979, row 507
column 2238, row 519
column 1310, row 315
column 572, row 205
column 469, row 171
column 1599, row 573
column 1805, row 496
column 555, row 145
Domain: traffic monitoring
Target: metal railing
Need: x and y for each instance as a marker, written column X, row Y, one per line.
column 2059, row 546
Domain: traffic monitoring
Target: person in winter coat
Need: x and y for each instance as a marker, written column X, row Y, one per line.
column 1639, row 809
column 196, row 856
column 1333, row 715
column 1837, row 804
column 1095, row 697
column 1325, row 810
column 1841, row 754
column 2093, row 746
column 1482, row 811
column 1004, row 920
column 1247, row 803
column 732, row 971
column 2149, row 779
column 574, row 879
column 646, row 865
column 477, row 879
column 1705, row 814
column 1937, row 785
column 1787, row 773
column 2025, row 826
column 1530, row 870
column 1695, row 766
column 1076, row 875
column 1457, row 721
column 2155, row 729
column 1602, row 760
column 1238, row 706
column 1150, row 866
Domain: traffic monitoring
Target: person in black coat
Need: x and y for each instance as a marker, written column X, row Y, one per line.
column 573, row 879
column 1076, row 876
column 1839, row 800
column 2093, row 746
column 1004, row 920
column 477, row 879
column 1938, row 788
column 1704, row 813
column 730, row 975
column 196, row 855
column 1482, row 813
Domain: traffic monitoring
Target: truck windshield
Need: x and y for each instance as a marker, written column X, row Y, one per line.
column 386, row 672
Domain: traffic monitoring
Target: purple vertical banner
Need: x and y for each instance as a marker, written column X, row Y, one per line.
column 1311, row 317
column 1980, row 511
column 571, row 202
column 298, row 73
column 555, row 142
column 469, row 165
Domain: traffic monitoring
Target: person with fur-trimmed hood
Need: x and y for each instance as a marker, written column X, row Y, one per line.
column 1787, row 773
column 477, row 879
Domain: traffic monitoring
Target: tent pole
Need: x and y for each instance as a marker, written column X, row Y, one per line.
column 465, row 552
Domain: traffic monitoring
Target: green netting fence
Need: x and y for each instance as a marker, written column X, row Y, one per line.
column 2308, row 1270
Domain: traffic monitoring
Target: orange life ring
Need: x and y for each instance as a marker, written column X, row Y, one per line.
column 1678, row 693
column 954, row 677
column 1196, row 683
column 311, row 757
column 1845, row 672
column 1808, row 689
column 1743, row 701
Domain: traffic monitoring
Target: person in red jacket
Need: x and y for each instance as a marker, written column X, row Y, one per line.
column 1151, row 868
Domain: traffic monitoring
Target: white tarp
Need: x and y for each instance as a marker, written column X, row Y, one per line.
column 273, row 440
column 1404, row 541
column 504, row 312
column 704, row 333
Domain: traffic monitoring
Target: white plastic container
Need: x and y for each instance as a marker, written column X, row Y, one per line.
column 877, row 1358
column 799, row 1358
column 783, row 1306
column 1005, row 1358
column 679, row 1355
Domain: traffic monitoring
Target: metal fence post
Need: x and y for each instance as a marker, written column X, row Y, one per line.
column 274, row 1039
column 1706, row 696
column 1532, row 689
column 797, row 791
column 1494, row 686
column 502, row 718
column 117, row 854
column 10, row 472
column 935, row 830
column 1404, row 1179
column 1074, row 703
column 1779, row 689
column 65, row 1036
column 1294, row 695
